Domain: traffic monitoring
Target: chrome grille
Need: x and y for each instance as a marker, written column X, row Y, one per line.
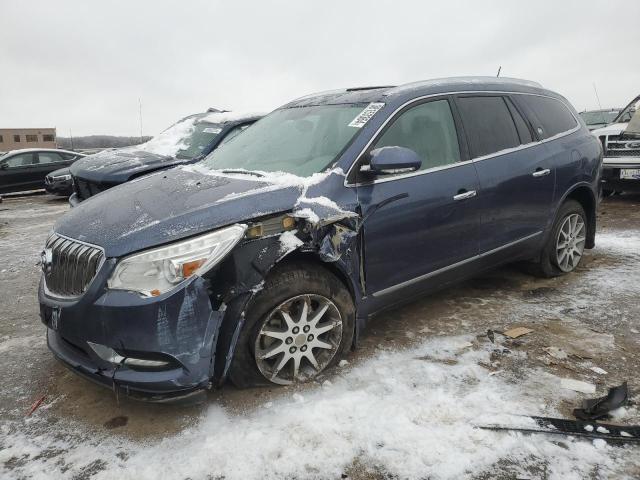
column 615, row 147
column 69, row 265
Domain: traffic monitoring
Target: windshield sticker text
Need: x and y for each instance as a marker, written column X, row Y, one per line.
column 365, row 115
column 212, row 130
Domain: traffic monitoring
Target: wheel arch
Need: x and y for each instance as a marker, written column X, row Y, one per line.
column 583, row 194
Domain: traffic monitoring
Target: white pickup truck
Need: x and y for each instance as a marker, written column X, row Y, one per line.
column 621, row 144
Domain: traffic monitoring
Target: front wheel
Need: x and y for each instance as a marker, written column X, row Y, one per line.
column 565, row 246
column 300, row 324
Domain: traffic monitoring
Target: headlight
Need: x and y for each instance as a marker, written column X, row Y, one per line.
column 158, row 270
column 61, row 178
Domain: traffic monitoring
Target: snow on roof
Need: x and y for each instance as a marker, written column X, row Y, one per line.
column 223, row 117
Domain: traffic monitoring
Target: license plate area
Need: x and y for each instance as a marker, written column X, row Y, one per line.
column 630, row 174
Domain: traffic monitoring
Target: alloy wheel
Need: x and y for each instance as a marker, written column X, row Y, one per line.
column 298, row 339
column 570, row 242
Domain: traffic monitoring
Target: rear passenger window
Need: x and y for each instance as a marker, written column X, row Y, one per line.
column 551, row 114
column 488, row 124
column 429, row 130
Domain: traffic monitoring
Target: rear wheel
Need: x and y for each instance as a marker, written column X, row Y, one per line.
column 565, row 246
column 300, row 324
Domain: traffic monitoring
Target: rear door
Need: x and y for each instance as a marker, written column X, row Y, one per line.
column 516, row 174
column 16, row 172
column 420, row 224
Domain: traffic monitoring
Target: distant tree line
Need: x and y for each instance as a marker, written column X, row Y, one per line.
column 99, row 141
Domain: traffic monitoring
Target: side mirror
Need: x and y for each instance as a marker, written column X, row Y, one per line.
column 390, row 160
column 4, row 166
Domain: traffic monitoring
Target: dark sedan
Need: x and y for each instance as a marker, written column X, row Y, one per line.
column 22, row 170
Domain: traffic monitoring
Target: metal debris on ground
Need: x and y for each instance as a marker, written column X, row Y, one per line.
column 577, row 385
column 595, row 408
column 576, row 428
column 517, row 332
column 35, row 405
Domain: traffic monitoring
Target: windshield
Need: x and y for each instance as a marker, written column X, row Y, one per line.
column 626, row 114
column 301, row 141
column 200, row 137
column 599, row 117
column 185, row 139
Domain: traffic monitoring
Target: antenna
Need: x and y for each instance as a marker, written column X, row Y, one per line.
column 599, row 104
column 140, row 116
column 499, row 69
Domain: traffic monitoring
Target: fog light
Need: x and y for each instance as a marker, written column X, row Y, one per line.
column 110, row 355
column 143, row 363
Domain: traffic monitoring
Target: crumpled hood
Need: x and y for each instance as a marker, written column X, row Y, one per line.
column 119, row 166
column 169, row 205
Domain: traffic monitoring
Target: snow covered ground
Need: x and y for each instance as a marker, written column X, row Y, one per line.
column 407, row 404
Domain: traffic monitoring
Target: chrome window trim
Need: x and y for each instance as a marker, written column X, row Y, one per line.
column 98, row 268
column 426, row 276
column 457, row 164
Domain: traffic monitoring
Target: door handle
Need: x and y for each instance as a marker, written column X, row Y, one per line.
column 463, row 195
column 541, row 172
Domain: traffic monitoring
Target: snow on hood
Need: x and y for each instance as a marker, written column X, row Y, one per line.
column 223, row 117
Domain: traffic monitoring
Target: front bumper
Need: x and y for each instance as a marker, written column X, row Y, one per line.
column 59, row 188
column 179, row 327
column 611, row 174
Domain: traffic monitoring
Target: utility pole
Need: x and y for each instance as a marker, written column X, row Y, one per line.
column 71, row 137
column 140, row 115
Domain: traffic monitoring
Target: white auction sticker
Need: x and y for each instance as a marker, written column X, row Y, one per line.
column 365, row 115
column 212, row 130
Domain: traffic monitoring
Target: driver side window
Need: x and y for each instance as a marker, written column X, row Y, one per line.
column 429, row 130
column 21, row 160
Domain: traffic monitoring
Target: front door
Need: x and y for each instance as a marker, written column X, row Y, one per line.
column 17, row 172
column 421, row 223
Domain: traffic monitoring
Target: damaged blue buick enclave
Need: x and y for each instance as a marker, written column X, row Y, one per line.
column 262, row 263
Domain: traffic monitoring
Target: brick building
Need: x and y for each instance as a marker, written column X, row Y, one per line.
column 16, row 138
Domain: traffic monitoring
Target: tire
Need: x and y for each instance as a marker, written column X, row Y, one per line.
column 552, row 263
column 287, row 289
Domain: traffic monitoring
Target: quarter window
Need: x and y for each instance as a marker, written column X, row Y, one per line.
column 32, row 138
column 488, row 124
column 429, row 130
column 552, row 116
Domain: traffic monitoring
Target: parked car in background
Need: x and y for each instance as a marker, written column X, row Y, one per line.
column 59, row 182
column 22, row 170
column 264, row 261
column 621, row 145
column 187, row 141
column 599, row 118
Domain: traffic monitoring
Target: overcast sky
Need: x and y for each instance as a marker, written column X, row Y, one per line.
column 82, row 65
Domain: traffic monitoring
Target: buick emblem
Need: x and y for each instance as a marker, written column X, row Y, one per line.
column 46, row 261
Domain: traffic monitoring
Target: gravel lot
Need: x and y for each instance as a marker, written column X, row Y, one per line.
column 405, row 406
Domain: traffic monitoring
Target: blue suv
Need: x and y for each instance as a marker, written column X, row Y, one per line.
column 263, row 263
